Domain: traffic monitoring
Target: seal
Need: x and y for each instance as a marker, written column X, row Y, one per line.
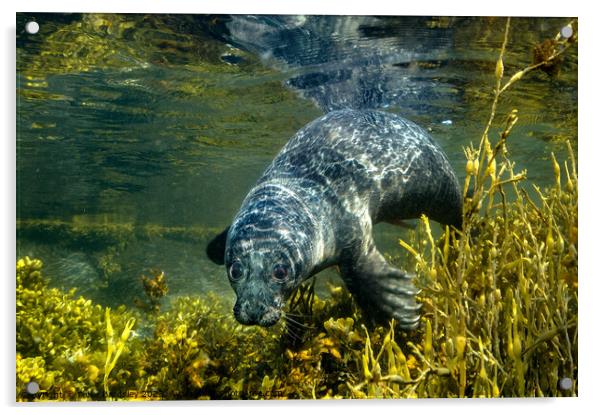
column 315, row 205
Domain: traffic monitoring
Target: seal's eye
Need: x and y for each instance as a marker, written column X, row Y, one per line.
column 236, row 271
column 280, row 272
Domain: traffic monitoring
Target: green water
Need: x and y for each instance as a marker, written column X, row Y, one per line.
column 169, row 120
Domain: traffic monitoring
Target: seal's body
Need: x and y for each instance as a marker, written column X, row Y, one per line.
column 315, row 206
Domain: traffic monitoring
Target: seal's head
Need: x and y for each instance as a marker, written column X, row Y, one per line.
column 267, row 252
column 263, row 272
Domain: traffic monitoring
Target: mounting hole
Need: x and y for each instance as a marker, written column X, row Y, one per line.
column 566, row 32
column 32, row 27
column 32, row 388
column 565, row 384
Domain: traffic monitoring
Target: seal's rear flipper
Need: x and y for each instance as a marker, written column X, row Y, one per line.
column 216, row 249
column 382, row 291
column 402, row 223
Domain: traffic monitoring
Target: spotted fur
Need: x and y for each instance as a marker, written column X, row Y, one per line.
column 316, row 204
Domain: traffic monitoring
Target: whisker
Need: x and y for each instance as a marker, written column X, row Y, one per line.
column 293, row 336
column 296, row 314
column 297, row 323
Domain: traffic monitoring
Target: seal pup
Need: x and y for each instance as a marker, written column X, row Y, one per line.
column 315, row 206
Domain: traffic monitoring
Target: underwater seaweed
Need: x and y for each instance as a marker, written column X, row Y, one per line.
column 114, row 348
column 506, row 285
column 60, row 339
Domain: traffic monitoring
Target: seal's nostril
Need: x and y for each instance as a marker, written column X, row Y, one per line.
column 255, row 314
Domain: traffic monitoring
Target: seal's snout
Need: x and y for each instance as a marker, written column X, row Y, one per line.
column 250, row 314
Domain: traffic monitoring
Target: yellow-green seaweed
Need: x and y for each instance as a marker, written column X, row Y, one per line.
column 60, row 339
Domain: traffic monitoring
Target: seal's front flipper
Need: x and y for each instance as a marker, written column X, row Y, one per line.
column 382, row 291
column 216, row 249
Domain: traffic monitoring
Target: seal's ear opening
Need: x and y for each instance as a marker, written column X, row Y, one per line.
column 216, row 249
